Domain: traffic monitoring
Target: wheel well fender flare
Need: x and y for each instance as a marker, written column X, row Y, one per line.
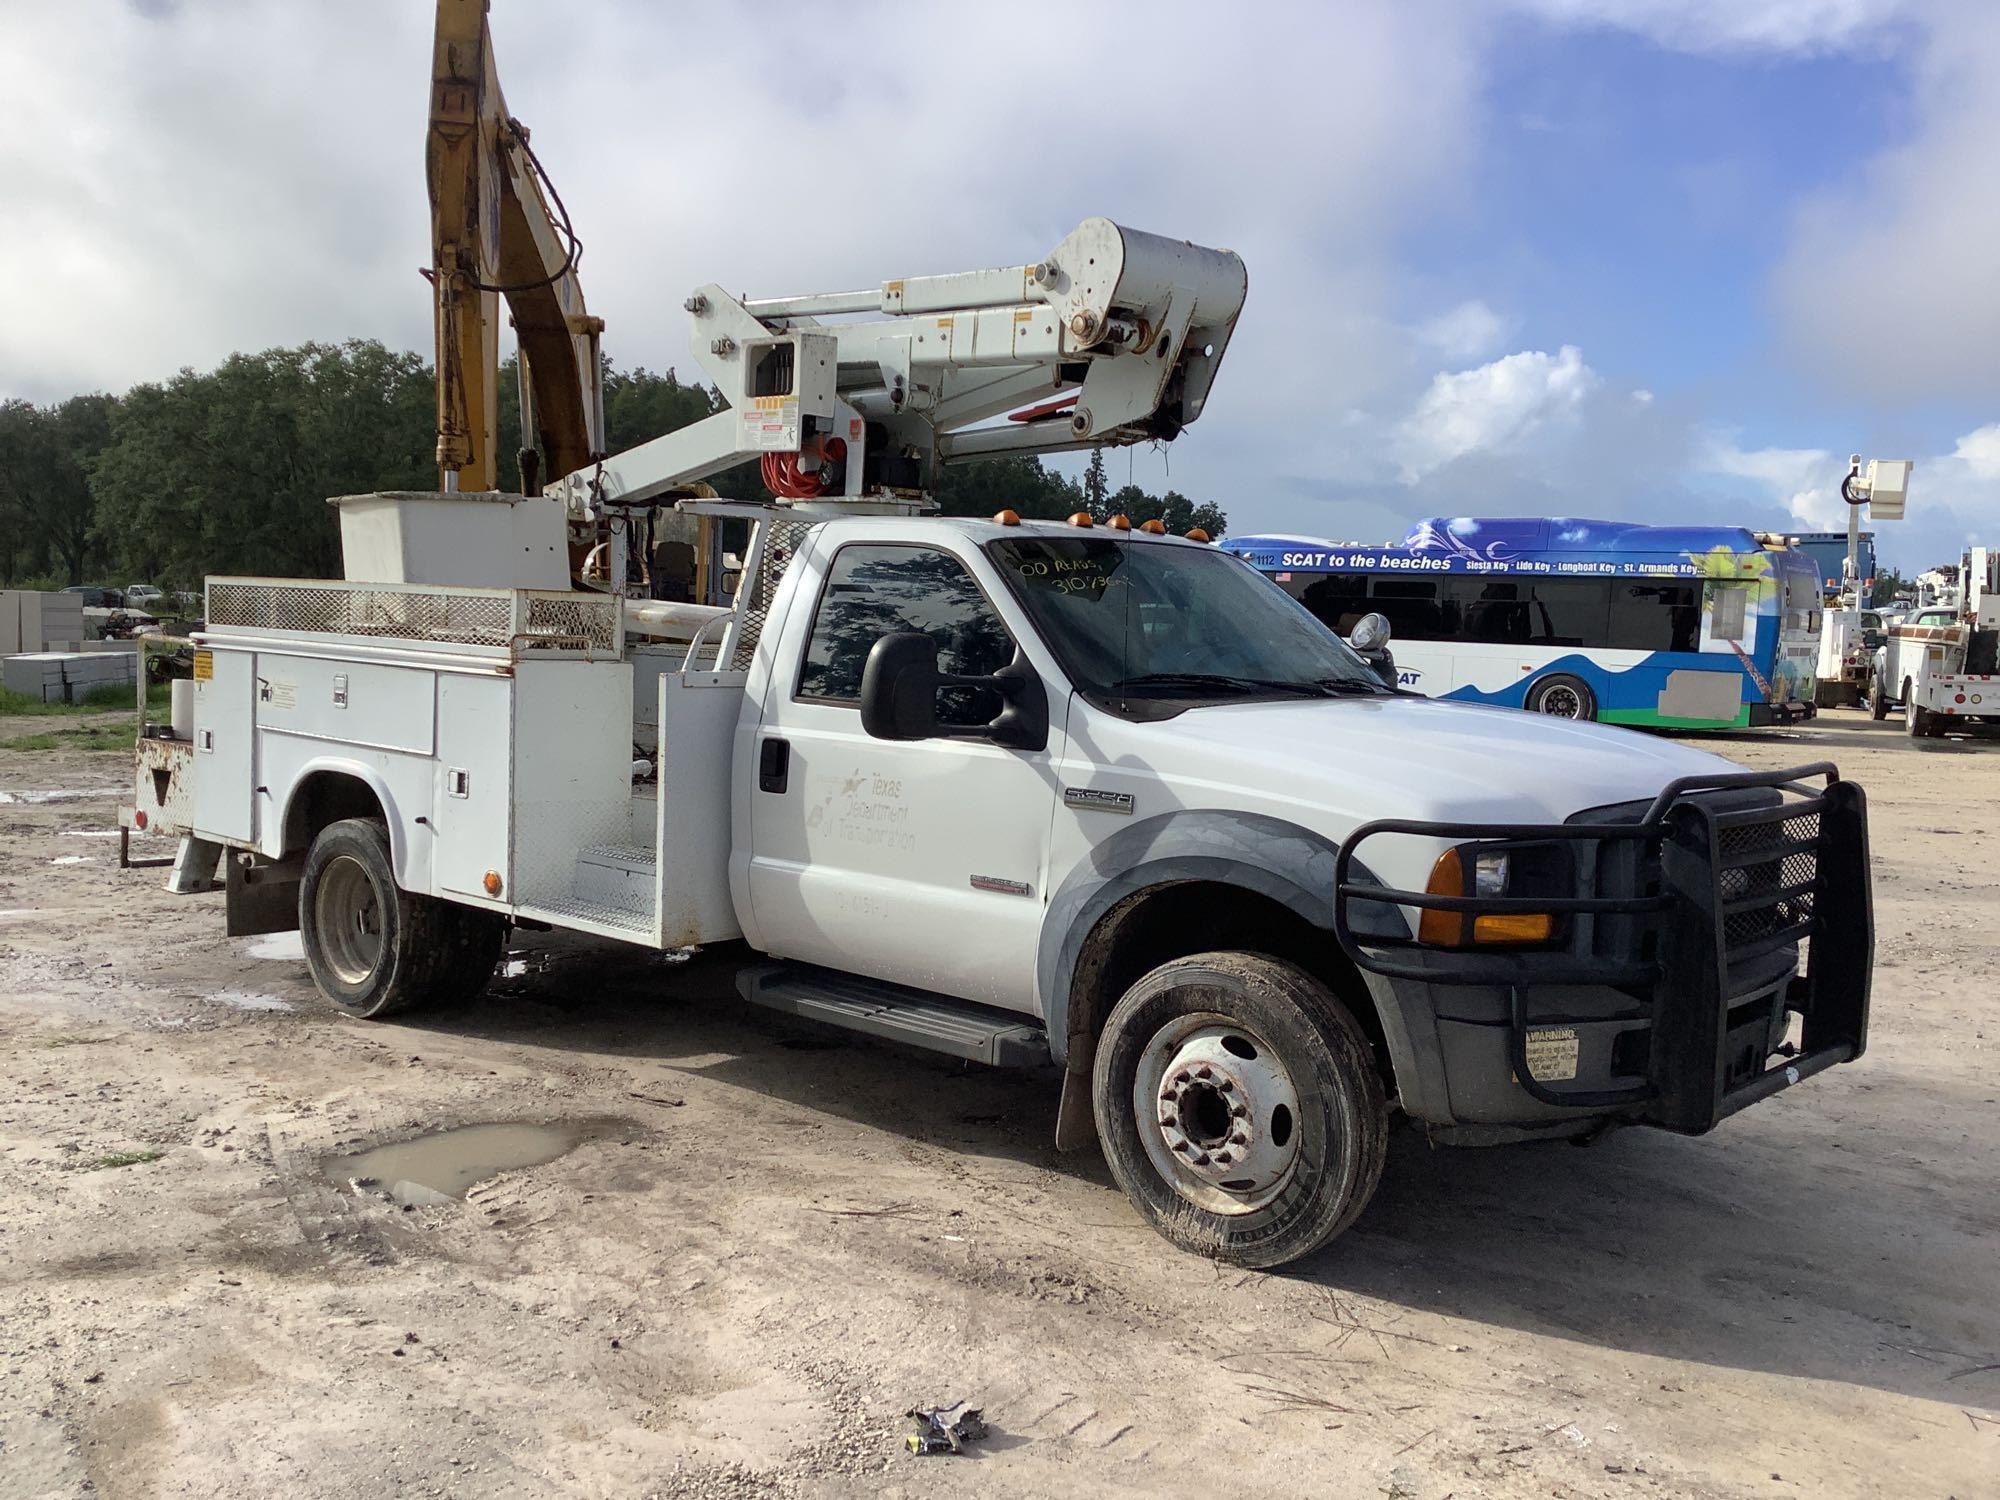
column 324, row 766
column 1254, row 852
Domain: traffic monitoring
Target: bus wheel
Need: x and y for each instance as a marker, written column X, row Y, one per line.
column 1239, row 1107
column 1563, row 697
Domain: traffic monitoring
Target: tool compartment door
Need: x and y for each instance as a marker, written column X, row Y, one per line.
column 225, row 802
column 472, row 800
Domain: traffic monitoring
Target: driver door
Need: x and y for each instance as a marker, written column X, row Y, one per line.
column 920, row 862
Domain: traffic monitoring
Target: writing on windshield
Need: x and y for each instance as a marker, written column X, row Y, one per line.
column 1153, row 620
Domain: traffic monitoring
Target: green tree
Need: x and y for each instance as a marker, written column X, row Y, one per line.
column 229, row 471
column 1096, row 486
column 1018, row 483
column 1173, row 509
column 45, row 453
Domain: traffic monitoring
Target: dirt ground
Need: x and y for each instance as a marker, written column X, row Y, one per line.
column 774, row 1239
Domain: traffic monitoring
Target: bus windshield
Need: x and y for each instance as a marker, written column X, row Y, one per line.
column 1157, row 623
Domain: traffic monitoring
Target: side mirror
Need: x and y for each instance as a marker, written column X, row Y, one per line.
column 1370, row 633
column 899, row 687
column 900, row 683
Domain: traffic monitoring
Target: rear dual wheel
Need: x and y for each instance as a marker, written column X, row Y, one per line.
column 374, row 948
column 1239, row 1107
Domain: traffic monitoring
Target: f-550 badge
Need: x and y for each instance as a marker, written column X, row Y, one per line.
column 1090, row 799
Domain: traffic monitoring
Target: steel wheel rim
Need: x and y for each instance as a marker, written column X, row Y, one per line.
column 1561, row 701
column 348, row 919
column 1221, row 1129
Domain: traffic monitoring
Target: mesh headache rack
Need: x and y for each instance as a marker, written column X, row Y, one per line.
column 517, row 619
column 1723, row 889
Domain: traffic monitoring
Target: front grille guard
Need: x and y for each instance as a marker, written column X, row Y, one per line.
column 1733, row 885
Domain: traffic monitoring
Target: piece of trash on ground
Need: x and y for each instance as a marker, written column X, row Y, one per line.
column 938, row 1432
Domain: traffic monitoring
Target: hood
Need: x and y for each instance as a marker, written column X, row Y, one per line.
column 1423, row 758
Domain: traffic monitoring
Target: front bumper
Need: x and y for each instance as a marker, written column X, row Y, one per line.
column 1669, row 999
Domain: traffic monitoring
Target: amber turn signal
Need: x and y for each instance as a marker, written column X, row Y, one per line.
column 1456, row 929
column 492, row 882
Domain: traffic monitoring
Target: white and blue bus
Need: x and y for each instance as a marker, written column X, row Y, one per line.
column 1676, row 627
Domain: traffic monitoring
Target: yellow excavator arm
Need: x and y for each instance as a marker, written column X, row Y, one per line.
column 493, row 236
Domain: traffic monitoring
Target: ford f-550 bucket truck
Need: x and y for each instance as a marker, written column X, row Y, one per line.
column 1071, row 794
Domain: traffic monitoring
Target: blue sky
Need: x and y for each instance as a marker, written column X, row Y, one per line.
column 1645, row 259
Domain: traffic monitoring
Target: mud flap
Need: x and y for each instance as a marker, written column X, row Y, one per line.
column 261, row 898
column 1076, row 1124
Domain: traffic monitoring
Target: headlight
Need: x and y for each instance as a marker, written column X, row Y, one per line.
column 1492, row 872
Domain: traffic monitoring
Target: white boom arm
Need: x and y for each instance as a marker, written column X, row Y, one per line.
column 1131, row 323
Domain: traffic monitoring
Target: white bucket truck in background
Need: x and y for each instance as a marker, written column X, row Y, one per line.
column 1942, row 665
column 1069, row 794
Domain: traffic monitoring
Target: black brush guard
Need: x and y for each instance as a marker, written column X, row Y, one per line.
column 1795, row 872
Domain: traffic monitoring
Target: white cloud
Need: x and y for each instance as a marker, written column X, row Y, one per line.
column 1805, row 480
column 1494, row 408
column 1954, row 497
column 213, row 197
column 1786, row 26
column 1471, row 330
column 1888, row 290
column 1979, row 452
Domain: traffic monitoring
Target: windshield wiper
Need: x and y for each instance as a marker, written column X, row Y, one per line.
column 1230, row 682
column 1353, row 687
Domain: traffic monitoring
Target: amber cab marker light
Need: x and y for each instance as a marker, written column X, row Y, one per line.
column 492, row 882
column 1153, row 528
column 1195, row 534
column 1006, row 518
column 1120, row 523
column 1082, row 518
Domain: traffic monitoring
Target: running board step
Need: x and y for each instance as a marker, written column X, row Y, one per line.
column 979, row 1033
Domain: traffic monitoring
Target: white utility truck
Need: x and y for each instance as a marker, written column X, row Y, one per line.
column 1070, row 794
column 1942, row 665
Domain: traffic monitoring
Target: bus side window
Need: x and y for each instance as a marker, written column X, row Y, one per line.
column 1655, row 617
column 1412, row 607
column 1339, row 600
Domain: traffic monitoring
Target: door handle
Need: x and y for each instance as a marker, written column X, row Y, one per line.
column 774, row 765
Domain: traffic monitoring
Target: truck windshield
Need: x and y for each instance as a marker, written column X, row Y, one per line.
column 1159, row 623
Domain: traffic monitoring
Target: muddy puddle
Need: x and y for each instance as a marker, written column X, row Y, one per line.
column 445, row 1164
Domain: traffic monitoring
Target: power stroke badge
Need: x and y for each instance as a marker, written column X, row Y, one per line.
column 1089, row 799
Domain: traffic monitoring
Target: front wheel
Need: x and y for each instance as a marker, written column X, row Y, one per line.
column 1239, row 1107
column 1878, row 700
column 372, row 947
column 1563, row 697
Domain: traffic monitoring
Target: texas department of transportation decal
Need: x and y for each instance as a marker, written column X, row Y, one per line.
column 1090, row 799
column 1552, row 1054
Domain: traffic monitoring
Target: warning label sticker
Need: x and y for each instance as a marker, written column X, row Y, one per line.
column 1552, row 1054
column 204, row 666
